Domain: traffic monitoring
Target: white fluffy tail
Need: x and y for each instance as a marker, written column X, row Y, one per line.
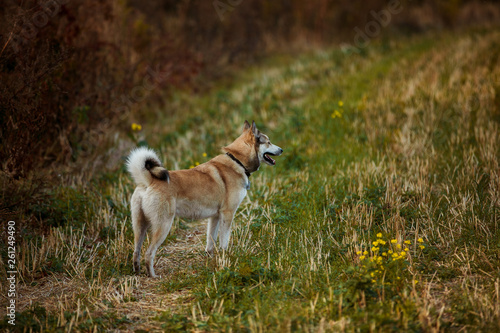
column 144, row 166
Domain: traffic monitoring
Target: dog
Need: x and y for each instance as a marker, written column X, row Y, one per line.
column 211, row 190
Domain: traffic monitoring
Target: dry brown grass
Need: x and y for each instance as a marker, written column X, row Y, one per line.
column 415, row 155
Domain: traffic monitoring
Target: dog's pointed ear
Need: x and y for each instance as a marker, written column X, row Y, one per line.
column 255, row 131
column 246, row 125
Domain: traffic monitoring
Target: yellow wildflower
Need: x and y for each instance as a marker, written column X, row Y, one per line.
column 336, row 114
column 341, row 103
column 375, row 243
column 407, row 242
column 365, row 253
column 362, row 258
column 416, row 281
column 384, row 254
column 379, row 235
column 191, row 166
column 381, row 242
column 375, row 249
column 398, row 246
column 420, row 240
column 394, row 241
column 136, row 127
column 358, row 253
column 403, row 253
column 390, row 251
column 422, row 247
column 196, row 163
column 204, row 154
column 406, row 249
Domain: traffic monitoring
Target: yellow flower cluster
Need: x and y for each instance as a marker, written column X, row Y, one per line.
column 136, row 127
column 383, row 253
column 195, row 164
column 420, row 240
column 338, row 112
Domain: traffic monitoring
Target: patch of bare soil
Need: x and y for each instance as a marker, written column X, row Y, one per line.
column 139, row 298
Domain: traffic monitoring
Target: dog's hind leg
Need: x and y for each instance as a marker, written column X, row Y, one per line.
column 140, row 226
column 160, row 229
column 212, row 231
column 140, row 230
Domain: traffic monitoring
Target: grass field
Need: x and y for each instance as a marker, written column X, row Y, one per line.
column 381, row 215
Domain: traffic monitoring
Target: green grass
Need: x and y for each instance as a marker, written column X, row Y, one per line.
column 413, row 155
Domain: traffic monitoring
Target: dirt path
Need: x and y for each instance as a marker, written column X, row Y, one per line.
column 137, row 298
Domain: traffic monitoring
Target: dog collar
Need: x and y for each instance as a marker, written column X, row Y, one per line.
column 238, row 161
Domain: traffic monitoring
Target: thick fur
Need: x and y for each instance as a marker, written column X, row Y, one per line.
column 144, row 165
column 211, row 190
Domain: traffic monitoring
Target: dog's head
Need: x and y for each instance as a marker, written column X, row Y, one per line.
column 253, row 147
column 263, row 146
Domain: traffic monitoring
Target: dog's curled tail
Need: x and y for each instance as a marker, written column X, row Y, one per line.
column 144, row 165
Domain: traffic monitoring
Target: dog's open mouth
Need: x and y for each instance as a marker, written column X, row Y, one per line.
column 268, row 158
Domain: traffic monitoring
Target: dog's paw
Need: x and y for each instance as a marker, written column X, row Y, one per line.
column 150, row 272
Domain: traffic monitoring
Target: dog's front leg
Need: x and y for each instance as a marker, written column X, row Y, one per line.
column 225, row 228
column 212, row 231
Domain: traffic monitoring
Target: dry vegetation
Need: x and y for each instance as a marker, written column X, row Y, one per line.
column 400, row 142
